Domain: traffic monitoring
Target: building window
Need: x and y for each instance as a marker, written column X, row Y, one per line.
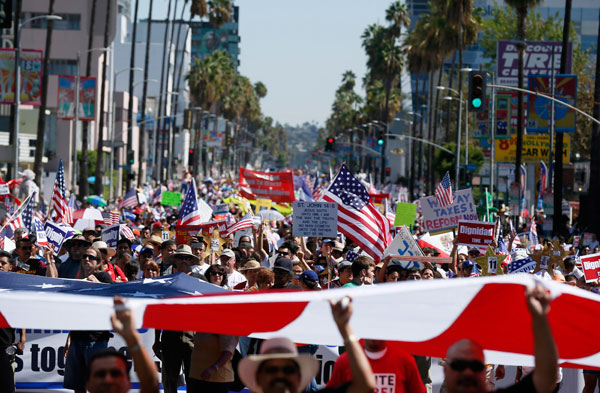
column 68, row 22
column 62, row 67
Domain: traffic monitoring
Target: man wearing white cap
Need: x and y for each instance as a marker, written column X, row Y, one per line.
column 227, row 259
column 280, row 369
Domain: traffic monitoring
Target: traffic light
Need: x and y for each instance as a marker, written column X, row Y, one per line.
column 380, row 141
column 388, row 171
column 130, row 157
column 477, row 87
column 330, row 144
column 191, row 157
column 228, row 139
column 131, row 175
column 6, row 14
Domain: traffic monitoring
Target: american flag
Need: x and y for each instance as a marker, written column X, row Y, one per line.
column 59, row 200
column 189, row 214
column 245, row 222
column 157, row 196
column 358, row 219
column 317, row 190
column 524, row 265
column 127, row 232
column 110, row 218
column 27, row 215
column 389, row 214
column 533, row 235
column 15, row 219
column 443, row 192
column 351, row 256
column 40, row 233
column 503, row 250
column 73, row 202
column 15, row 222
column 543, row 174
column 130, row 199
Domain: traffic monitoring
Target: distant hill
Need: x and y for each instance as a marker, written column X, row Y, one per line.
column 302, row 139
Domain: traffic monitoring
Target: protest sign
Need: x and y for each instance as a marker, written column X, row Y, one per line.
column 4, row 189
column 205, row 210
column 524, row 265
column 404, row 244
column 405, row 214
column 56, row 236
column 220, row 209
column 141, row 197
column 591, row 267
column 110, row 235
column 315, row 219
column 475, row 233
column 263, row 204
column 378, row 198
column 588, row 238
column 442, row 242
column 276, row 186
column 169, row 198
column 184, row 233
column 438, row 219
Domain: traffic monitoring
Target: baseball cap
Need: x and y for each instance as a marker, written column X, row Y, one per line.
column 467, row 263
column 283, row 264
column 227, row 253
column 344, row 265
column 319, row 268
column 309, row 275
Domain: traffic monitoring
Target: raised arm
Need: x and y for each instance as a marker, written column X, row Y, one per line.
column 124, row 324
column 546, row 354
column 383, row 270
column 454, row 256
column 363, row 380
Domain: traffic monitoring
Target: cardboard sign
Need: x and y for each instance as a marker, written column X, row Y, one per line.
column 56, row 236
column 165, row 235
column 4, row 189
column 276, row 186
column 317, row 219
column 110, row 235
column 475, row 233
column 404, row 244
column 221, row 209
column 263, row 204
column 184, row 233
column 523, row 265
column 591, row 267
column 588, row 238
column 405, row 214
column 438, row 219
column 169, row 198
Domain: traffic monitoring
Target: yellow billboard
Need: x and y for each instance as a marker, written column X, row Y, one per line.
column 535, row 148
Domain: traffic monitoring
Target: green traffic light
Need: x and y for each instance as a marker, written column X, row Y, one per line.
column 380, row 142
column 476, row 102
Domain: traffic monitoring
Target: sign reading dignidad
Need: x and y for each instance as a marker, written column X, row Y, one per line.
column 475, row 233
column 591, row 267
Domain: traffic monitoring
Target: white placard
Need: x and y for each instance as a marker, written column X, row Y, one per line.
column 404, row 244
column 315, row 219
column 438, row 219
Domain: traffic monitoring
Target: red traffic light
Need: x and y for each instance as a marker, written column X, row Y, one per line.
column 330, row 140
column 191, row 151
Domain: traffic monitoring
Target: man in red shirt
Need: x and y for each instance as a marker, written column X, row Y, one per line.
column 395, row 370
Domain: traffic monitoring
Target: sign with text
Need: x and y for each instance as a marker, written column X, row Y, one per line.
column 405, row 214
column 438, row 219
column 184, row 233
column 539, row 108
column 31, row 76
column 169, row 198
column 56, row 236
column 110, row 235
column 4, row 189
column 591, row 267
column 503, row 116
column 475, row 233
column 541, row 58
column 404, row 244
column 276, row 186
column 317, row 219
column 220, row 209
column 536, row 148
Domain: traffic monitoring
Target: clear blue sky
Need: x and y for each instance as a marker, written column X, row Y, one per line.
column 299, row 50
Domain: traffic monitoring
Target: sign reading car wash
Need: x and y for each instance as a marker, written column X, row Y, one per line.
column 439, row 219
column 536, row 148
column 591, row 267
column 475, row 233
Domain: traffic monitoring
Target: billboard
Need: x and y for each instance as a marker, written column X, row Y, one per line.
column 503, row 116
column 537, row 61
column 31, row 76
column 539, row 108
column 66, row 97
column 536, row 148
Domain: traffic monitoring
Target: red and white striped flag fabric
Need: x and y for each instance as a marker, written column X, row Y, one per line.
column 127, row 232
column 16, row 222
column 443, row 192
column 358, row 219
column 59, row 199
column 130, row 199
column 244, row 223
column 460, row 306
column 190, row 213
column 110, row 218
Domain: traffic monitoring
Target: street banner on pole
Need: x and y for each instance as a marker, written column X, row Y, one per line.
column 276, row 186
column 503, row 116
column 31, row 76
column 66, row 97
column 539, row 108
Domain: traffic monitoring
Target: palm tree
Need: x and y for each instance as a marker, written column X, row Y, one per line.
column 142, row 135
column 41, row 126
column 521, row 7
column 83, row 167
column 99, row 183
column 130, row 121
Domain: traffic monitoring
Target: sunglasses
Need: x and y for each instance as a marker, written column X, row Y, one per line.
column 461, row 365
column 287, row 370
column 216, row 273
column 90, row 257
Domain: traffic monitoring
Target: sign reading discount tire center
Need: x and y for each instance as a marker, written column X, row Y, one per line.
column 535, row 148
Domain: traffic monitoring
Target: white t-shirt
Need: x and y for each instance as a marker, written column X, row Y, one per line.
column 235, row 278
column 200, row 269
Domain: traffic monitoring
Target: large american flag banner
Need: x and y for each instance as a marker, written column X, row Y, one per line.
column 460, row 306
column 190, row 214
column 358, row 219
column 59, row 199
column 443, row 192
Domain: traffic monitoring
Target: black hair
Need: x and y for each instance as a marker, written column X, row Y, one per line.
column 107, row 353
column 569, row 262
column 21, row 240
column 219, row 269
column 167, row 244
column 7, row 255
column 413, row 270
column 131, row 270
column 124, row 240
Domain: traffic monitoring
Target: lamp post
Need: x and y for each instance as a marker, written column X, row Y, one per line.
column 76, row 110
column 411, row 181
column 457, row 166
column 18, row 87
column 158, row 168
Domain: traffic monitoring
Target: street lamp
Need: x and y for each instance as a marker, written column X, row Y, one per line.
column 459, row 99
column 448, row 98
column 18, row 86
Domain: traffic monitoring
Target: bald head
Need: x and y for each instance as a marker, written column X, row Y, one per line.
column 464, row 369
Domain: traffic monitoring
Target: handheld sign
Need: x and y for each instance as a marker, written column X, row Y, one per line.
column 56, row 236
column 317, row 219
column 169, row 198
column 110, row 235
column 439, row 219
column 405, row 214
column 404, row 245
column 591, row 267
column 220, row 209
column 475, row 233
column 263, row 204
